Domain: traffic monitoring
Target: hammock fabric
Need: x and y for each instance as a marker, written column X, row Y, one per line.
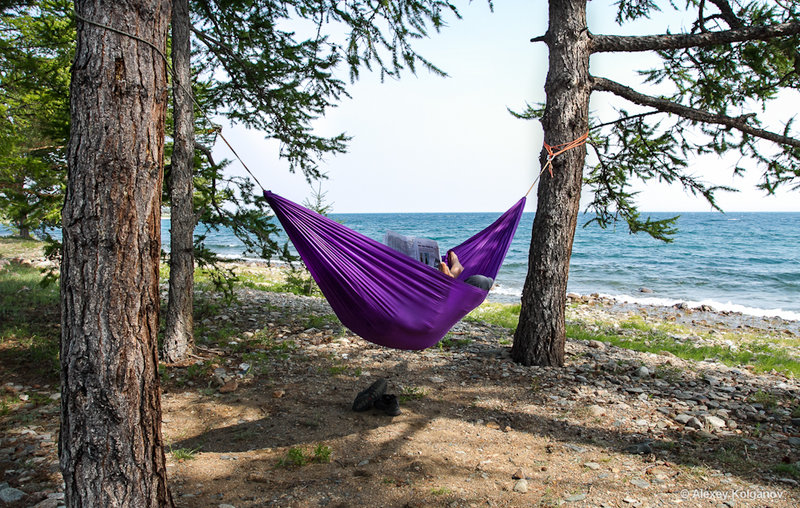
column 382, row 295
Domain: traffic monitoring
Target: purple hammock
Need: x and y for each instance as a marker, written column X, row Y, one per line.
column 382, row 295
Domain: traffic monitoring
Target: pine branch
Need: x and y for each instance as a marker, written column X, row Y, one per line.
column 620, row 43
column 666, row 106
column 727, row 13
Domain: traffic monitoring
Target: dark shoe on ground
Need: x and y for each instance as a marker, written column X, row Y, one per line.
column 368, row 397
column 388, row 404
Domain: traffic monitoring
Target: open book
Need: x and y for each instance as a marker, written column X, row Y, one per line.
column 424, row 250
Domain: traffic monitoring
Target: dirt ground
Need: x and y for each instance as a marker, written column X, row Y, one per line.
column 476, row 429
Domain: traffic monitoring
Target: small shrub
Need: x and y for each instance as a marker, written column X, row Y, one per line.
column 322, row 454
column 183, row 453
column 296, row 457
column 412, row 393
column 766, row 399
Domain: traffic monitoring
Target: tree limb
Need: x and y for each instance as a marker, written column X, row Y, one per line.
column 666, row 106
column 727, row 13
column 621, row 43
column 206, row 151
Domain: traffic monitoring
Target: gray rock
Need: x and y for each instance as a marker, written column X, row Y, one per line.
column 221, row 376
column 642, row 372
column 714, row 421
column 47, row 503
column 575, row 498
column 642, row 448
column 642, row 484
column 521, row 486
column 11, row 495
column 595, row 410
column 694, row 423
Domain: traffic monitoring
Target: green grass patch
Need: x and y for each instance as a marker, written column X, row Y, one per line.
column 16, row 247
column 448, row 342
column 29, row 322
column 760, row 355
column 23, row 299
column 183, row 454
column 335, row 370
column 792, row 470
column 322, row 321
column 500, row 314
column 297, row 456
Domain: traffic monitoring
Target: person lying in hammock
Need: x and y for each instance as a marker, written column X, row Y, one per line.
column 453, row 268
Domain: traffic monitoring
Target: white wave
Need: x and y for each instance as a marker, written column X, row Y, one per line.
column 506, row 291
column 715, row 305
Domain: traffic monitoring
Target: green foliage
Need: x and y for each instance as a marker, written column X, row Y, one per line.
column 273, row 62
column 629, row 10
column 631, row 149
column 300, row 282
column 736, row 80
column 36, row 48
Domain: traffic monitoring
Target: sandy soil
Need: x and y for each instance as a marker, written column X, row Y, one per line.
column 476, row 429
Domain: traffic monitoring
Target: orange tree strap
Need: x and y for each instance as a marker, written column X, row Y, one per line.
column 555, row 150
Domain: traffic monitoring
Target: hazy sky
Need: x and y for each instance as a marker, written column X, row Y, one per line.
column 431, row 144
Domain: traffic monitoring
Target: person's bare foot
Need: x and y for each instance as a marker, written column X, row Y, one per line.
column 455, row 266
column 444, row 269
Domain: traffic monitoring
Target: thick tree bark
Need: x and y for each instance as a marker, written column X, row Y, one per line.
column 541, row 335
column 179, row 333
column 110, row 446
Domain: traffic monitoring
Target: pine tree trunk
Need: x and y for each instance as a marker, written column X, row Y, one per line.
column 110, row 446
column 24, row 230
column 179, row 333
column 541, row 335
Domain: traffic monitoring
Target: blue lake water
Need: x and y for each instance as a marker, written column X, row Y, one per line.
column 746, row 262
